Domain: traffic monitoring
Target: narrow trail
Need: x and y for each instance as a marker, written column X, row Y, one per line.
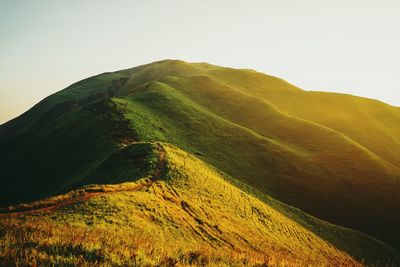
column 90, row 194
column 160, row 163
column 63, row 203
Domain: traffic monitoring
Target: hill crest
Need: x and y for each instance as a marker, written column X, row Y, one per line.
column 330, row 155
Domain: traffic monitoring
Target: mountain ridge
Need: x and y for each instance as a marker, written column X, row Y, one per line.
column 332, row 156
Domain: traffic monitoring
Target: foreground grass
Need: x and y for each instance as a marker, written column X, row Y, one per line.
column 186, row 213
column 45, row 243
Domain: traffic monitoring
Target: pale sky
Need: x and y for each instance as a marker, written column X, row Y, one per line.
column 327, row 45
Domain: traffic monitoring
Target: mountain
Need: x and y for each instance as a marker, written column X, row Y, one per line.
column 181, row 211
column 333, row 156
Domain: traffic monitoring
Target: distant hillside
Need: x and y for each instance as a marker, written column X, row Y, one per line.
column 334, row 156
column 183, row 212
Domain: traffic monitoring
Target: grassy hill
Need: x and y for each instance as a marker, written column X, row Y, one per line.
column 184, row 211
column 331, row 155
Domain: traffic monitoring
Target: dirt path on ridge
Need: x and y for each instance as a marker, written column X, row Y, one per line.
column 88, row 194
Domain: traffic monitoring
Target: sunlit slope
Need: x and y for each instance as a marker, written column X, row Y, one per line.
column 298, row 161
column 371, row 123
column 185, row 211
column 255, row 127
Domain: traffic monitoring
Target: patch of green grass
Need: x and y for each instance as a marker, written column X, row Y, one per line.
column 126, row 164
column 56, row 154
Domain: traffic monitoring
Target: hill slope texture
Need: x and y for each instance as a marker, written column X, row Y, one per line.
column 333, row 156
column 184, row 212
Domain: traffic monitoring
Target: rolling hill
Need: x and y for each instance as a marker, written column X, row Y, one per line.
column 333, row 156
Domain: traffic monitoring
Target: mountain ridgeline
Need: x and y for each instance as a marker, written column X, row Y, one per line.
column 333, row 156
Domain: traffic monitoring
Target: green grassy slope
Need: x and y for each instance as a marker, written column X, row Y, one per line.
column 185, row 200
column 71, row 98
column 55, row 153
column 327, row 161
column 370, row 123
column 292, row 159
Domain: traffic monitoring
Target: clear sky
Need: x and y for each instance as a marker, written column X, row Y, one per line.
column 330, row 45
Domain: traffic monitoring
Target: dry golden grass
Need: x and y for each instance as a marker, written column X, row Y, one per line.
column 193, row 216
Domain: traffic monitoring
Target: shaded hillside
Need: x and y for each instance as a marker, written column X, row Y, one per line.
column 338, row 162
column 184, row 212
column 56, row 152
